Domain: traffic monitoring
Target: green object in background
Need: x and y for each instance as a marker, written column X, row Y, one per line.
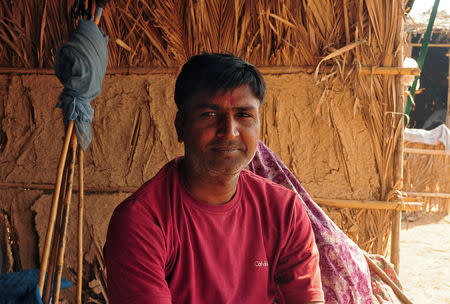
column 422, row 55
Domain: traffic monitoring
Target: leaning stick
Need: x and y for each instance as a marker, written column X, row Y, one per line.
column 54, row 251
column 98, row 13
column 51, row 271
column 398, row 292
column 80, row 223
column 69, row 137
column 65, row 219
column 54, row 207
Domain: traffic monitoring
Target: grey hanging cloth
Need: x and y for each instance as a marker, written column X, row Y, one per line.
column 80, row 66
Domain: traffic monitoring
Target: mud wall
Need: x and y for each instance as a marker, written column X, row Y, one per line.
column 323, row 140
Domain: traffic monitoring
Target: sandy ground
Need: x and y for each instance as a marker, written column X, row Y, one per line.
column 425, row 259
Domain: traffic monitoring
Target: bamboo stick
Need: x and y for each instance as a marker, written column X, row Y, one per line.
column 41, row 37
column 395, row 239
column 362, row 204
column 52, row 267
column 54, row 206
column 398, row 292
column 80, row 223
column 426, row 151
column 444, row 45
column 32, row 186
column 447, row 121
column 65, row 219
column 266, row 70
column 54, row 250
column 398, row 153
column 389, row 71
column 429, row 194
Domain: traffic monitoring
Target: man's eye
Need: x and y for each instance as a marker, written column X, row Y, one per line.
column 208, row 114
column 243, row 114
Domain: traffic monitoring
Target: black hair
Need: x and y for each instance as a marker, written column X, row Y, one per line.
column 213, row 72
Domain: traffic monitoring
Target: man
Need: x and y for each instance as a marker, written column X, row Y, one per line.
column 205, row 229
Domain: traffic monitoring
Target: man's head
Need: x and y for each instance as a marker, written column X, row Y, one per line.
column 210, row 73
column 218, row 98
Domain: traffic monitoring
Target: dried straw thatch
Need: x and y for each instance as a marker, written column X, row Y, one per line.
column 345, row 34
column 428, row 174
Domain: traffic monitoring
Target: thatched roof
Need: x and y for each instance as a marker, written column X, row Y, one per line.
column 166, row 33
column 416, row 26
column 419, row 22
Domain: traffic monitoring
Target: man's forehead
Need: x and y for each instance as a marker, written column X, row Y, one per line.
column 227, row 96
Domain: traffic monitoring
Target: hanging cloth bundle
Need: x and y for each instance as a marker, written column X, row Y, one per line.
column 80, row 66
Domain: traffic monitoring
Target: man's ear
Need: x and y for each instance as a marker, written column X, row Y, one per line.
column 179, row 126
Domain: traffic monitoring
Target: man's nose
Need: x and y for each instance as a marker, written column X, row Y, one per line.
column 228, row 127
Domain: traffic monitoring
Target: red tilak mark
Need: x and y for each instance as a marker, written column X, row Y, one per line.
column 229, row 98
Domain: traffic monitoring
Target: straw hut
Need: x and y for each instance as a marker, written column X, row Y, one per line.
column 434, row 93
column 427, row 167
column 333, row 112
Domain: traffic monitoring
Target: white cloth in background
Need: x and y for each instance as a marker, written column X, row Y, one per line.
column 433, row 137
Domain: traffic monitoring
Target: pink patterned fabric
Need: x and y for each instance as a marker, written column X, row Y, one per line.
column 345, row 274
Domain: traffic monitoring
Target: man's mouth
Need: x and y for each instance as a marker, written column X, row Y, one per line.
column 226, row 149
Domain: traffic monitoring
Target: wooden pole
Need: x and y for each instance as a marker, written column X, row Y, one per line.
column 398, row 153
column 427, row 151
column 448, row 92
column 265, row 70
column 54, row 251
column 430, row 194
column 389, row 71
column 80, row 224
column 32, row 186
column 395, row 240
column 65, row 219
column 54, row 207
column 443, row 45
column 380, row 205
column 398, row 292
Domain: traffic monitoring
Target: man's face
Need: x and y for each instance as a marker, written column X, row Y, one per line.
column 220, row 133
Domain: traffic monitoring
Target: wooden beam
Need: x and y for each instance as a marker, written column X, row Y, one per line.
column 157, row 70
column 447, row 121
column 109, row 71
column 398, row 292
column 429, row 194
column 363, row 204
column 443, row 45
column 395, row 239
column 8, row 70
column 45, row 187
column 389, row 71
column 399, row 107
column 410, row 204
column 426, row 151
column 263, row 69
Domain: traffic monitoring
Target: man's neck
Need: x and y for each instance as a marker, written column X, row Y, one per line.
column 214, row 190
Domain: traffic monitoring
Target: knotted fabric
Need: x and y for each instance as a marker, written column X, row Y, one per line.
column 80, row 66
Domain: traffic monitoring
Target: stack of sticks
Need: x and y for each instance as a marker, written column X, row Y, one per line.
column 55, row 241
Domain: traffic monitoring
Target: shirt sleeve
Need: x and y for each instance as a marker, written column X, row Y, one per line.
column 298, row 272
column 135, row 255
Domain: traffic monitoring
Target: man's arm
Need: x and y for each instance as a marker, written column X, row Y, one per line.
column 135, row 255
column 298, row 272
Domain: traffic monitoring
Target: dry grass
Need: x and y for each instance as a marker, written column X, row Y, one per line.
column 166, row 33
column 375, row 31
column 344, row 34
column 428, row 173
